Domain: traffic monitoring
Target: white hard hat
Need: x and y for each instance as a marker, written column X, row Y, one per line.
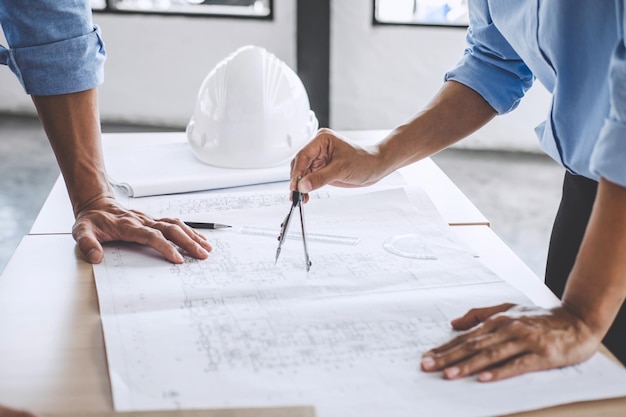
column 252, row 111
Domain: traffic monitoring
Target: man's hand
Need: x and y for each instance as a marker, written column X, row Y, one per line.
column 330, row 159
column 10, row 412
column 104, row 220
column 508, row 340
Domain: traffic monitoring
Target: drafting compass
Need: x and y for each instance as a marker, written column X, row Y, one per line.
column 296, row 200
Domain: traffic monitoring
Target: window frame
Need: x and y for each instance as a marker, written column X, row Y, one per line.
column 110, row 10
column 376, row 22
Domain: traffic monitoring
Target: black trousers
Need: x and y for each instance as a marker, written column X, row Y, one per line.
column 569, row 227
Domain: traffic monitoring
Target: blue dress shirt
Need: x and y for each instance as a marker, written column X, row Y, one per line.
column 576, row 49
column 54, row 46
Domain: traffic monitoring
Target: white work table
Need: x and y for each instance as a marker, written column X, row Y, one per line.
column 52, row 353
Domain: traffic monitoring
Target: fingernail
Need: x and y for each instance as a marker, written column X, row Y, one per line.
column 304, row 186
column 202, row 252
column 452, row 372
column 428, row 362
column 485, row 376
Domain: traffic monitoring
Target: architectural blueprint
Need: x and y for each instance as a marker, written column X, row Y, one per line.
column 238, row 330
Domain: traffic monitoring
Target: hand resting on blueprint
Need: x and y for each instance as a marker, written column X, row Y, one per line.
column 10, row 412
column 508, row 340
column 105, row 220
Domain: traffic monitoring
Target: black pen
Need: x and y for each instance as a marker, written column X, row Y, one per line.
column 201, row 225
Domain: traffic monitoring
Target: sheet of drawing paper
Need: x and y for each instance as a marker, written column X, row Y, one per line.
column 238, row 330
column 166, row 168
column 195, row 205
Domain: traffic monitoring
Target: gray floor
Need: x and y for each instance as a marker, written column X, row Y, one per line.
column 518, row 193
column 27, row 171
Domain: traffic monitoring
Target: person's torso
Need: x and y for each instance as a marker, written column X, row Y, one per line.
column 568, row 46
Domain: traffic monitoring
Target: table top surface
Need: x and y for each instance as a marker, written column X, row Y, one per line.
column 52, row 352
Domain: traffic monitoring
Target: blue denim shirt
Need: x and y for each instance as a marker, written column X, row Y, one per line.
column 575, row 48
column 54, row 46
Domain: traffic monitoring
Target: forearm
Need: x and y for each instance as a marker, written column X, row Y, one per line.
column 72, row 125
column 455, row 112
column 597, row 284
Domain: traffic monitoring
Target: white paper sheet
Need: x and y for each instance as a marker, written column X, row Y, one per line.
column 238, row 331
column 203, row 205
column 168, row 168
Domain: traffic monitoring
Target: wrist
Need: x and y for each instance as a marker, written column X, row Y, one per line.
column 596, row 315
column 377, row 161
column 393, row 152
column 586, row 332
column 93, row 202
column 86, row 186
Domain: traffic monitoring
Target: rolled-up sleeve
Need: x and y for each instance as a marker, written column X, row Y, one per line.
column 54, row 47
column 489, row 64
column 608, row 159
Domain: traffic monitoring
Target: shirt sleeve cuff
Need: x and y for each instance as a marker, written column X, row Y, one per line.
column 62, row 67
column 497, row 86
column 607, row 159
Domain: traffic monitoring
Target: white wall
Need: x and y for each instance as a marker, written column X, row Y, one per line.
column 382, row 75
column 156, row 64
